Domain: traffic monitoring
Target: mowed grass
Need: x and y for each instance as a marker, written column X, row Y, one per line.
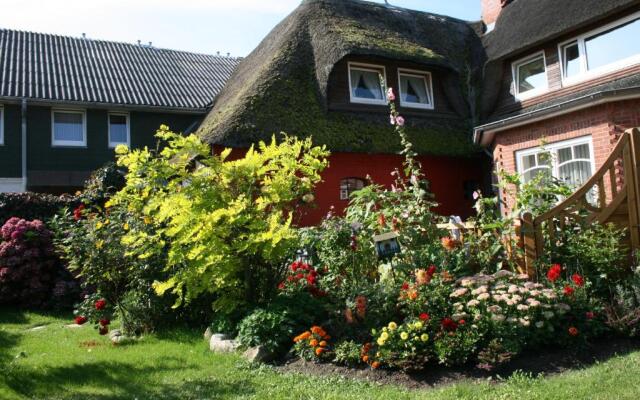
column 62, row 363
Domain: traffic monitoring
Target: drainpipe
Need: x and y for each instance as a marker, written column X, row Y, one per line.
column 23, row 147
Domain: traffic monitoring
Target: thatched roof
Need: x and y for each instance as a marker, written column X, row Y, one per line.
column 282, row 84
column 527, row 23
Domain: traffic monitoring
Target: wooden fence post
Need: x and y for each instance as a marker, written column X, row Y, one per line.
column 632, row 171
column 529, row 241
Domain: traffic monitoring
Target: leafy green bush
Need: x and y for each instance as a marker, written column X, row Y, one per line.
column 271, row 328
column 32, row 206
column 348, row 353
column 623, row 311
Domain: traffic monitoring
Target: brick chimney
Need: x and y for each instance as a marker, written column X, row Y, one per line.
column 491, row 10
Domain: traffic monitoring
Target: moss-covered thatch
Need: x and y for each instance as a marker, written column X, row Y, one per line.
column 282, row 84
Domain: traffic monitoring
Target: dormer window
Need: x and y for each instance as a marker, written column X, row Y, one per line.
column 415, row 89
column 603, row 50
column 364, row 84
column 530, row 76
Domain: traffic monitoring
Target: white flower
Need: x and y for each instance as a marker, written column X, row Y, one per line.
column 529, row 285
column 562, row 308
column 481, row 289
column 473, row 303
column 525, row 322
column 533, row 302
column 500, row 286
column 539, row 324
column 534, row 293
column 522, row 307
column 495, row 309
column 511, row 302
column 516, row 298
column 458, row 317
column 498, row 317
column 548, row 314
column 459, row 292
column 512, row 320
column 513, row 289
column 522, row 277
column 483, row 296
column 467, row 282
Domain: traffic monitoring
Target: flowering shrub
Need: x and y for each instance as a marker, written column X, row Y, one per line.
column 96, row 310
column 31, row 274
column 302, row 277
column 403, row 346
column 313, row 345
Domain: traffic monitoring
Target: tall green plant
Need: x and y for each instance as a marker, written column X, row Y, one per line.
column 225, row 224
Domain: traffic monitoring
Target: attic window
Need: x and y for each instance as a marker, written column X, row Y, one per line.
column 415, row 89
column 364, row 84
column 350, row 185
column 530, row 76
column 601, row 51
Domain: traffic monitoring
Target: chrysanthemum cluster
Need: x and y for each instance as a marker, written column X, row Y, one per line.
column 313, row 344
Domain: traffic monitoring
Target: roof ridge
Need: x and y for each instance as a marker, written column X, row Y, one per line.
column 135, row 45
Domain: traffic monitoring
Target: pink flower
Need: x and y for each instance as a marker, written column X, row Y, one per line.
column 392, row 119
column 399, row 120
column 390, row 95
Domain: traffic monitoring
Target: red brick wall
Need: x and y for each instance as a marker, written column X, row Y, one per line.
column 603, row 123
column 491, row 10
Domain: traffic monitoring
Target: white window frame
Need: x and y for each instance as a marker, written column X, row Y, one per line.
column 515, row 71
column 553, row 148
column 113, row 145
column 369, row 68
column 1, row 125
column 585, row 74
column 68, row 143
column 428, row 82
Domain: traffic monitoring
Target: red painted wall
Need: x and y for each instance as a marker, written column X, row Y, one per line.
column 446, row 174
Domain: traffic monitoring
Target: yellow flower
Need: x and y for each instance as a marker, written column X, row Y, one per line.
column 106, row 222
column 380, row 341
column 99, row 226
column 147, row 220
column 404, row 336
column 99, row 244
column 125, row 226
column 418, row 325
column 393, row 326
column 384, row 336
column 424, row 337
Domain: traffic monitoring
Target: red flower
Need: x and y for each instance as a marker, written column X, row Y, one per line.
column 299, row 276
column 405, row 286
column 104, row 322
column 431, row 271
column 295, row 266
column 382, row 221
column 100, row 304
column 80, row 319
column 311, row 280
column 281, row 285
column 77, row 213
column 573, row 331
column 103, row 330
column 578, row 280
column 424, row 316
column 554, row 272
column 462, row 322
column 568, row 290
column 449, row 324
column 590, row 315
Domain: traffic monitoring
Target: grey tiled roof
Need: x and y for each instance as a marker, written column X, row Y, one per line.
column 61, row 68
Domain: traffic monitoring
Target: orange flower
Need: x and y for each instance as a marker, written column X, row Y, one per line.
column 326, row 337
column 323, row 344
column 446, row 276
column 318, row 331
column 313, row 342
column 365, row 358
column 449, row 244
column 573, row 331
column 413, row 294
column 375, row 365
column 303, row 336
column 319, row 351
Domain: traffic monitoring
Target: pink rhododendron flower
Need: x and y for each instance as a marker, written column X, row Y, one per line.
column 390, row 95
column 400, row 120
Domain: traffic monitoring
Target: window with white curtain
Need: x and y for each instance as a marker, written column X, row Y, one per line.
column 350, row 185
column 118, row 129
column 603, row 50
column 1, row 125
column 569, row 161
column 364, row 84
column 530, row 76
column 415, row 89
column 68, row 128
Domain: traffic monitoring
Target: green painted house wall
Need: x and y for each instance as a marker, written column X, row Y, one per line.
column 69, row 164
column 10, row 151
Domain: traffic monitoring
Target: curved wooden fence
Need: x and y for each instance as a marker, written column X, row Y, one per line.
column 610, row 195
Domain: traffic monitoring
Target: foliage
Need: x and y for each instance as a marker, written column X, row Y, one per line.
column 96, row 310
column 313, row 345
column 623, row 312
column 32, row 206
column 31, row 274
column 347, row 353
column 103, row 183
column 271, row 328
column 594, row 250
column 224, row 225
column 537, row 196
column 404, row 346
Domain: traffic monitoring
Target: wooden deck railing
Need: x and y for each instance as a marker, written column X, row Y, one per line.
column 610, row 195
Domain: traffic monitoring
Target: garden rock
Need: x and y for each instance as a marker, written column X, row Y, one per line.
column 115, row 333
column 258, row 354
column 74, row 326
column 220, row 344
column 207, row 334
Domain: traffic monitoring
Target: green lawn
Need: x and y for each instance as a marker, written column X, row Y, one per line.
column 63, row 363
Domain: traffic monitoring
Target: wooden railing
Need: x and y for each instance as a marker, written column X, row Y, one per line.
column 610, row 195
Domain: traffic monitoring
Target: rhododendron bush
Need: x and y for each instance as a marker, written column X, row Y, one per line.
column 31, row 275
